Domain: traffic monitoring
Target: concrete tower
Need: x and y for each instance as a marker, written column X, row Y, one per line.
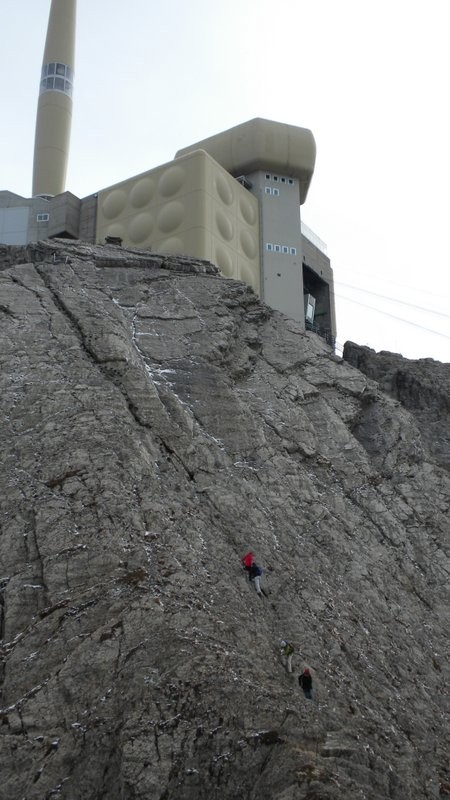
column 54, row 113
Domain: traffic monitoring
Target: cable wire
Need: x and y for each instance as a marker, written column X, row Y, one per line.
column 393, row 316
column 393, row 300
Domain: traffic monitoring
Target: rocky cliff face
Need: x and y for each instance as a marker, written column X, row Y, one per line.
column 422, row 386
column 156, row 422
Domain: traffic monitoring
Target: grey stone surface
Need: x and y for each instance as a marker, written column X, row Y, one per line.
column 156, row 422
column 422, row 386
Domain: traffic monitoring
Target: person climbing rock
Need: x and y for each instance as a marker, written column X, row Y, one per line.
column 287, row 651
column 247, row 561
column 305, row 681
column 254, row 574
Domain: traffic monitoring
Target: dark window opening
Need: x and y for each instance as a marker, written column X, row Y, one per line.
column 319, row 321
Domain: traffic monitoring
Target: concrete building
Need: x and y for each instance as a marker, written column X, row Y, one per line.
column 233, row 199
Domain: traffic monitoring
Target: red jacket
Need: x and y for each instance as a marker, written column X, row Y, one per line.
column 247, row 560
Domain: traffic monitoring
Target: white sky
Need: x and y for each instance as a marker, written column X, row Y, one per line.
column 370, row 78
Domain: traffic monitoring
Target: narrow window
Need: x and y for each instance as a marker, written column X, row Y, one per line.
column 275, row 177
column 283, row 180
column 268, row 190
column 269, row 247
column 293, row 251
column 276, row 192
column 290, row 181
column 285, row 249
column 267, row 177
column 278, row 248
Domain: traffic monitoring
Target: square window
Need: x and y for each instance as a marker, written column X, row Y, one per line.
column 285, row 249
column 278, row 248
column 59, row 84
column 267, row 177
column 268, row 190
column 275, row 177
column 290, row 181
column 61, row 69
column 269, row 247
column 276, row 192
column 283, row 180
column 293, row 251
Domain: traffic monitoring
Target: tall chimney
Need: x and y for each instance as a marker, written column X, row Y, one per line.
column 54, row 112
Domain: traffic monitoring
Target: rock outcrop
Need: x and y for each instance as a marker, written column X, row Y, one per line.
column 157, row 421
column 422, row 386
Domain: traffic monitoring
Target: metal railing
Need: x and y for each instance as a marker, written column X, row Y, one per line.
column 324, row 333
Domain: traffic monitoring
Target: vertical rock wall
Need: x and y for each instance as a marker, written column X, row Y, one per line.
column 156, row 422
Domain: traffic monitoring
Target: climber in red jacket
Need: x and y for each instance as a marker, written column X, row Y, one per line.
column 247, row 561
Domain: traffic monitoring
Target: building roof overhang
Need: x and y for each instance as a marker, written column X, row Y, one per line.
column 262, row 144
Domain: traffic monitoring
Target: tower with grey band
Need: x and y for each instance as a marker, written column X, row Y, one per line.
column 54, row 112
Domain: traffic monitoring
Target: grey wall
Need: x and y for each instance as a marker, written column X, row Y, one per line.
column 281, row 272
column 14, row 225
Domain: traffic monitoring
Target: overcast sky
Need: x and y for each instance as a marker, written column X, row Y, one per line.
column 370, row 78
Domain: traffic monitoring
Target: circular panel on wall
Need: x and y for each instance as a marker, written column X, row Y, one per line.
column 141, row 227
column 172, row 245
column 224, row 190
column 247, row 210
column 224, row 226
column 116, row 229
column 142, row 192
column 249, row 276
column 114, row 203
column 224, row 261
column 248, row 244
column 170, row 216
column 171, row 181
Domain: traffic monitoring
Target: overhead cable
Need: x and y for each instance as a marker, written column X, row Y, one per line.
column 394, row 300
column 393, row 316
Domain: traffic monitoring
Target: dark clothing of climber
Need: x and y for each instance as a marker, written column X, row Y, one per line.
column 254, row 575
column 254, row 571
column 305, row 681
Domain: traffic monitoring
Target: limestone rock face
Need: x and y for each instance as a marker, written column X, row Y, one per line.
column 422, row 386
column 157, row 421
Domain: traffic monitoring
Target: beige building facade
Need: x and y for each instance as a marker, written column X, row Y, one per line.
column 233, row 200
column 190, row 206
